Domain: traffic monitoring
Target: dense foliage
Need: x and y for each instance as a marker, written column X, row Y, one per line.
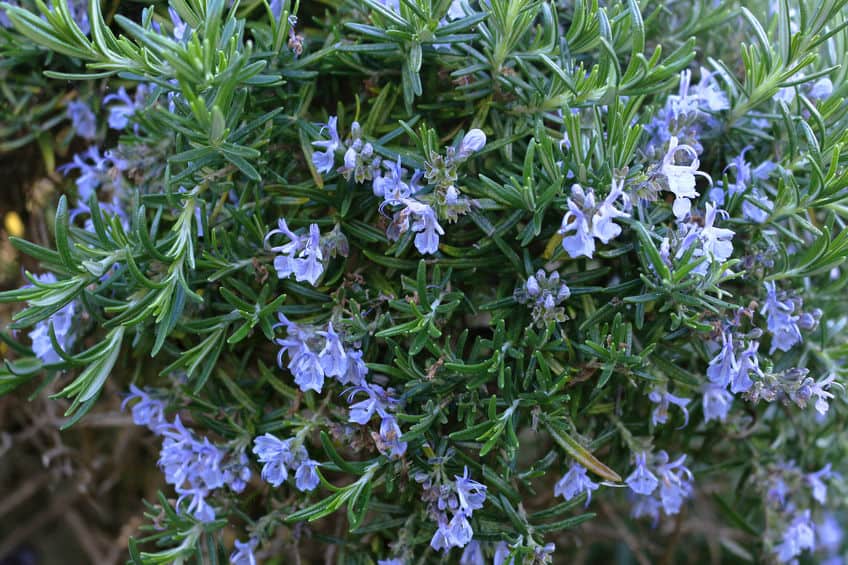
column 410, row 281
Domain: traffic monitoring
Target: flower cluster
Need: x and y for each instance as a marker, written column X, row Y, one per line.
column 544, row 293
column 196, row 468
column 451, row 504
column 660, row 485
column 305, row 256
column 278, row 457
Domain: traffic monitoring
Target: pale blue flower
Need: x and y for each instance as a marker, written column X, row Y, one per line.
column 798, row 536
column 459, row 531
column 471, row 494
column 817, row 485
column 664, row 399
column 147, row 411
column 502, row 552
column 723, row 367
column 243, row 554
column 472, row 554
column 782, row 322
column 333, row 357
column 716, row 242
column 472, row 142
column 821, row 89
column 391, row 187
column 575, row 482
column 716, row 403
column 603, row 227
column 642, row 480
column 581, row 243
column 749, row 362
column 63, row 322
column 324, row 161
column 120, row 113
column 356, row 368
column 83, row 119
column 306, row 476
column 675, row 482
column 302, row 256
column 389, row 442
column 275, row 455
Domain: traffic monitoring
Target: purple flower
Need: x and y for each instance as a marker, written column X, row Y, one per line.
column 356, row 368
column 441, row 538
column 243, row 554
column 471, row 494
column 83, row 119
column 663, row 399
column 306, row 476
column 147, row 412
column 275, row 455
column 426, row 226
column 716, row 403
column 574, row 482
column 324, row 161
column 641, row 480
column 362, row 411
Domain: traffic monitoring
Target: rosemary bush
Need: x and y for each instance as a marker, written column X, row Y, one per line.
column 413, row 281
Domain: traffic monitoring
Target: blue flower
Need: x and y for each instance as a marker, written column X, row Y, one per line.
column 641, row 480
column 798, row 536
column 333, row 357
column 817, row 485
column 821, row 89
column 147, row 411
column 781, row 321
column 723, row 367
column 63, row 321
column 441, row 539
column 391, row 187
column 243, row 554
column 377, row 402
column 325, row 161
column 275, row 455
column 181, row 30
column 120, row 114
column 426, row 226
column 502, row 552
column 574, row 482
column 389, row 442
column 675, row 482
column 663, row 399
column 302, row 256
column 471, row 494
column 236, row 472
column 83, row 119
column 716, row 403
column 749, row 362
column 306, row 476
column 356, row 368
column 459, row 531
column 644, row 506
column 472, row 554
column 581, row 243
column 198, row 506
column 589, row 221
